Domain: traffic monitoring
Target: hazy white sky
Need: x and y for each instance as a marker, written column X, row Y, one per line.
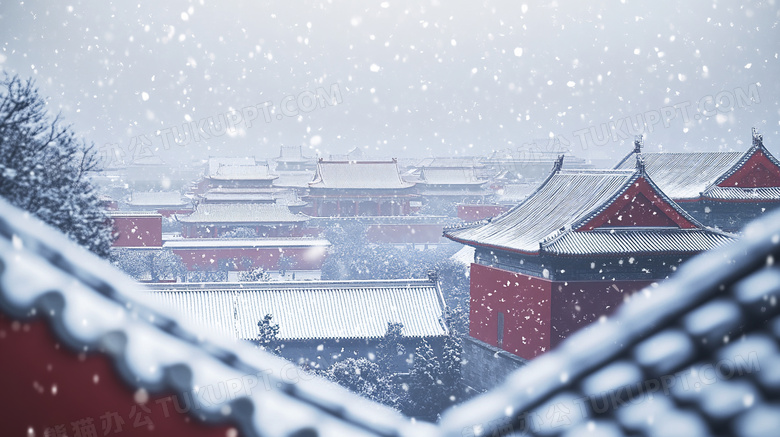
column 414, row 79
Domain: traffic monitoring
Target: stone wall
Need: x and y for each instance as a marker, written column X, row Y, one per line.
column 486, row 366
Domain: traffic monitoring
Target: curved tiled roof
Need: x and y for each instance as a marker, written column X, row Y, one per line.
column 693, row 356
column 635, row 242
column 91, row 306
column 720, row 309
column 312, row 309
column 242, row 213
column 358, row 175
column 567, row 197
column 684, row 176
column 450, row 176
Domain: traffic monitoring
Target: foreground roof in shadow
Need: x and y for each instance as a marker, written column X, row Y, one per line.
column 696, row 355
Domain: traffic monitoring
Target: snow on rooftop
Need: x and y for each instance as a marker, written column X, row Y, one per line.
column 208, row 243
column 359, row 175
column 312, row 309
column 90, row 305
column 450, row 176
column 242, row 213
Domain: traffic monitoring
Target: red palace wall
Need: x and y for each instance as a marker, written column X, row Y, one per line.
column 51, row 390
column 399, row 234
column 471, row 213
column 576, row 304
column 538, row 313
column 524, row 302
column 268, row 258
column 137, row 231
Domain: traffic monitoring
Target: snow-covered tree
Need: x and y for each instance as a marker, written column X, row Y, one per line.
column 255, row 275
column 45, row 169
column 150, row 264
column 425, row 385
column 361, row 376
column 268, row 335
column 240, row 232
column 434, row 382
column 390, row 347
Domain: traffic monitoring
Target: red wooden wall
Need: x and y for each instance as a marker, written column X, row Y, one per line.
column 138, row 231
column 538, row 313
column 524, row 302
column 49, row 390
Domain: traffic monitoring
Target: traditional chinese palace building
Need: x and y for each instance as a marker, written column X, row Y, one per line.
column 237, row 173
column 166, row 203
column 319, row 321
column 214, row 220
column 359, row 188
column 291, row 158
column 721, row 189
column 571, row 252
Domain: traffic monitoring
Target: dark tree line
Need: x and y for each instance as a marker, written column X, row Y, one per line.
column 45, row 169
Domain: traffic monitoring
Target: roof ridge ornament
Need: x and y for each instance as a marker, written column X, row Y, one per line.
column 758, row 139
column 638, row 143
column 640, row 164
column 558, row 164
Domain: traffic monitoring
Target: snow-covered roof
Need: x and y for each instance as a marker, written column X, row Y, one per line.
column 515, row 193
column 358, row 175
column 451, row 162
column 215, row 162
column 450, row 176
column 211, row 243
column 242, row 213
column 312, row 309
column 116, row 214
column 292, row 154
column 763, row 164
column 636, row 242
column 281, row 196
column 761, row 194
column 158, row 198
column 464, row 256
column 683, row 176
column 238, row 197
column 243, row 172
column 294, row 179
column 689, row 176
column 548, row 219
column 680, row 326
column 631, row 373
column 89, row 305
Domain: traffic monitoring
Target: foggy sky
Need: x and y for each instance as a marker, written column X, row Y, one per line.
column 415, row 79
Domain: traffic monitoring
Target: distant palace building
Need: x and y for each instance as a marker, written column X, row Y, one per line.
column 242, row 172
column 721, row 189
column 571, row 252
column 166, row 203
column 319, row 321
column 359, row 188
column 214, row 220
column 291, row 158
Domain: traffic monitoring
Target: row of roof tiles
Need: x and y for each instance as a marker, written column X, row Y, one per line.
column 311, row 309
